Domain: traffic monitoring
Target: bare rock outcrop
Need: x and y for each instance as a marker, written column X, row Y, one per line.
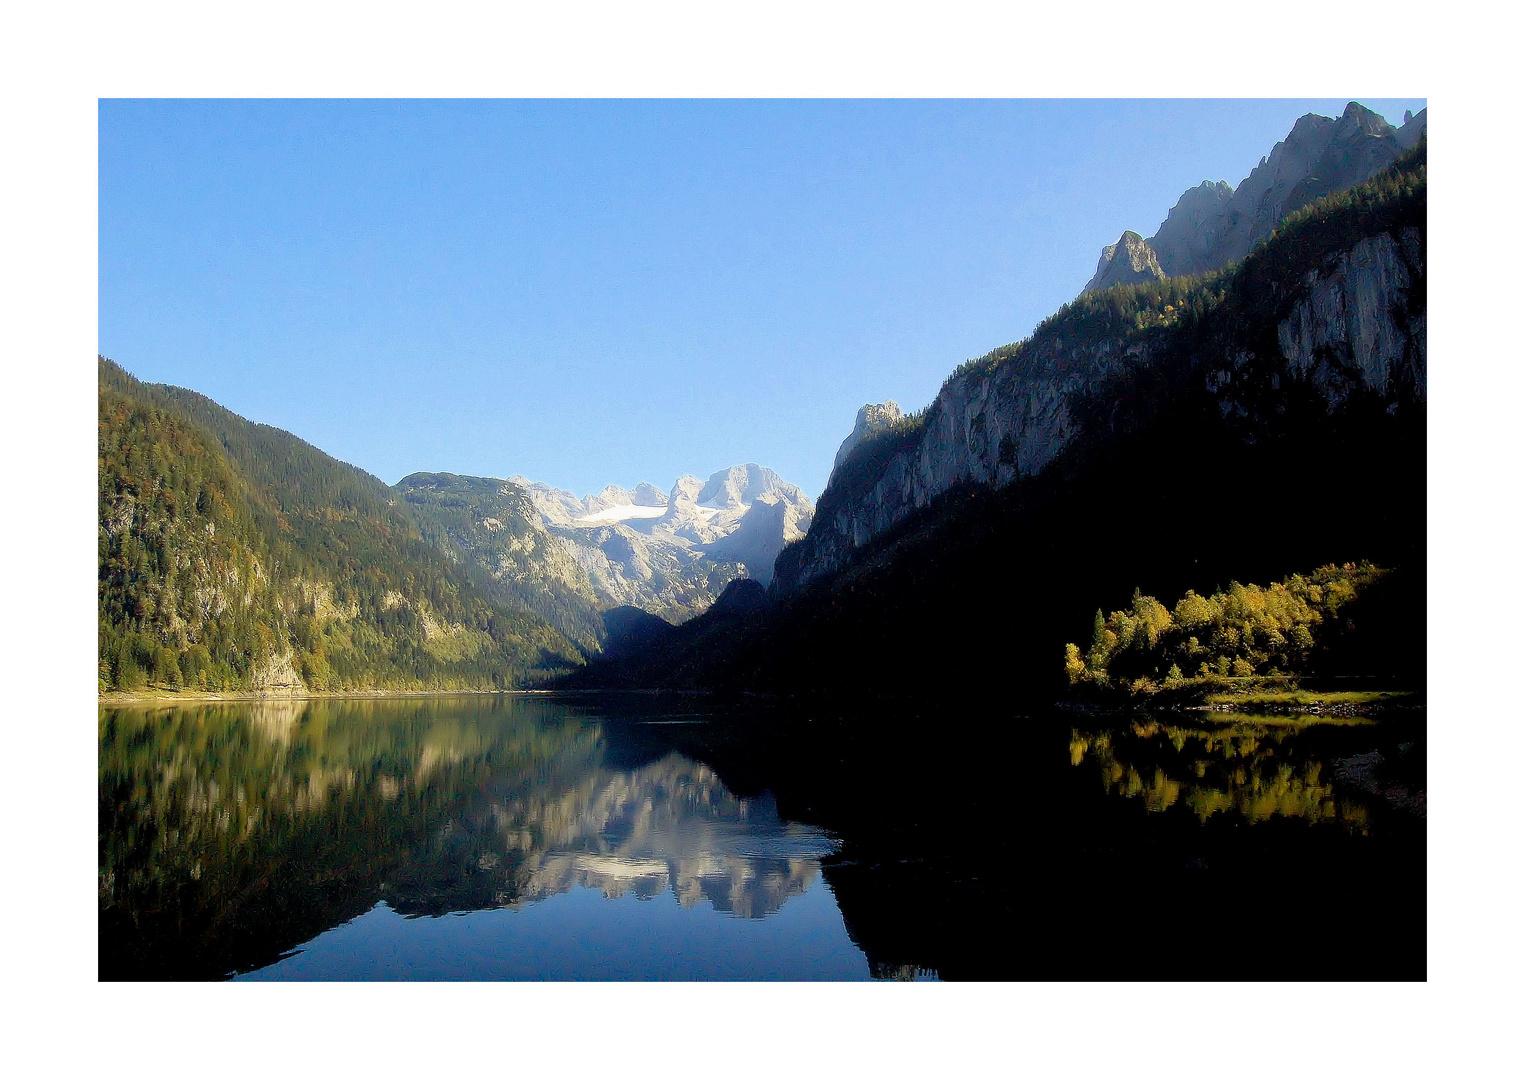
column 1361, row 322
column 1193, row 232
column 871, row 418
column 984, row 428
column 1126, row 262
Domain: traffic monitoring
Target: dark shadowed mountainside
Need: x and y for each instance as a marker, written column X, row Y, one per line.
column 1167, row 436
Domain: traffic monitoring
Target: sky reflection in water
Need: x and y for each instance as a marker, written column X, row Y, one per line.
column 536, row 838
column 504, row 809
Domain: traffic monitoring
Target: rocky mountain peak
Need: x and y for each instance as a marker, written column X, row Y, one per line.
column 871, row 418
column 1413, row 128
column 1213, row 225
column 738, row 486
column 1126, row 262
column 647, row 495
column 685, row 489
column 1368, row 120
column 611, row 496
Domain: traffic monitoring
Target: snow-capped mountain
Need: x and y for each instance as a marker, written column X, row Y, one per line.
column 732, row 525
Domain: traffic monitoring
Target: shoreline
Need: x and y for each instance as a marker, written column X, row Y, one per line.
column 1370, row 705
column 171, row 697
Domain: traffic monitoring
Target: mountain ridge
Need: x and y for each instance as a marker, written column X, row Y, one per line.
column 1171, row 435
column 1213, row 225
column 1010, row 413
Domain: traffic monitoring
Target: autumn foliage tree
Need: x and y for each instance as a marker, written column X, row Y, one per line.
column 1241, row 631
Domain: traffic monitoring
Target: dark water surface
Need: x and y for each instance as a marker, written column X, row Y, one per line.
column 542, row 837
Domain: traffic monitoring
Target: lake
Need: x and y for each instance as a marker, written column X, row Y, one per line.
column 548, row 837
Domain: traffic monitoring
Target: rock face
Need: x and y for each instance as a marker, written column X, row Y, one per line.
column 646, row 495
column 1193, row 231
column 1213, row 225
column 1356, row 321
column 983, row 428
column 1126, row 262
column 633, row 570
column 1358, row 325
column 743, row 514
column 871, row 418
column 772, row 521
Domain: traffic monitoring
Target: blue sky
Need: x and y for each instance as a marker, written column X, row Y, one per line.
column 589, row 292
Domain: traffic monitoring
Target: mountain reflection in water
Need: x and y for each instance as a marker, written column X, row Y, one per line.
column 231, row 833
column 600, row 838
column 668, row 826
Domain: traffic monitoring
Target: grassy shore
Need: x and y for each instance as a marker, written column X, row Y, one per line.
column 1261, row 695
column 1312, row 698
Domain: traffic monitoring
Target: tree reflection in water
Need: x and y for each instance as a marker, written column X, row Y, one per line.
column 972, row 845
column 231, row 833
column 1245, row 767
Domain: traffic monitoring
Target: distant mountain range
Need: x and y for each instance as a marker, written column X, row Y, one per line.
column 571, row 560
column 1214, row 225
column 744, row 514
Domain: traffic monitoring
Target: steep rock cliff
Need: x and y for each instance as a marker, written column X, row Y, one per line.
column 1188, row 240
column 871, row 420
column 1338, row 302
column 1361, row 317
column 988, row 425
column 770, row 522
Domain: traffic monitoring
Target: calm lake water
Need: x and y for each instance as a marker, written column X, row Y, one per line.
column 540, row 837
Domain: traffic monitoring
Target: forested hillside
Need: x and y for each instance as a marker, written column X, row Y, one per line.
column 235, row 557
column 490, row 529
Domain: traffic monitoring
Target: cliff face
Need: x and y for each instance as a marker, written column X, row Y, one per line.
column 984, row 428
column 1320, row 156
column 1363, row 316
column 1192, row 233
column 770, row 522
column 1353, row 320
column 871, row 419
